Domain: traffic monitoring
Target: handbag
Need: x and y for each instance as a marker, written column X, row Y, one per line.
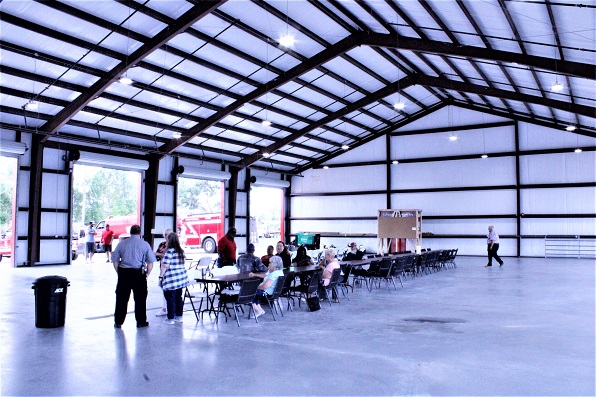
column 313, row 303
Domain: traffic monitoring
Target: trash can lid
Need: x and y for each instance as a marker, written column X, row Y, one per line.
column 46, row 280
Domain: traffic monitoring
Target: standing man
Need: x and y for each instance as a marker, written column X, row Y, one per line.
column 493, row 246
column 226, row 248
column 90, row 243
column 106, row 239
column 133, row 260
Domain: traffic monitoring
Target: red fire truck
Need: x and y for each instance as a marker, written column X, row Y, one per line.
column 6, row 244
column 201, row 231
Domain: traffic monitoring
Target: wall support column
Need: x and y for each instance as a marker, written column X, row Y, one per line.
column 151, row 179
column 517, row 190
column 232, row 196
column 35, row 190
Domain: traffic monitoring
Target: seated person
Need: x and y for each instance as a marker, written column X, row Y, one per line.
column 354, row 253
column 302, row 259
column 268, row 284
column 328, row 264
column 284, row 254
column 265, row 258
column 248, row 262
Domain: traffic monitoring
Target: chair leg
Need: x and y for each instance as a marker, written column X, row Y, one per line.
column 270, row 307
column 278, row 305
column 236, row 313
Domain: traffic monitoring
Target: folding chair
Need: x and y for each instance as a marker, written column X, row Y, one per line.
column 245, row 296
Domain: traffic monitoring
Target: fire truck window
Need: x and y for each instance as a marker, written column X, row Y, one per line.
column 200, row 212
column 7, row 197
column 266, row 207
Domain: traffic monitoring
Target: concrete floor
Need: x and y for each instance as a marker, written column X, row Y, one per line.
column 524, row 329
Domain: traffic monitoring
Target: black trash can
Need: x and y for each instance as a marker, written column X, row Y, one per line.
column 50, row 301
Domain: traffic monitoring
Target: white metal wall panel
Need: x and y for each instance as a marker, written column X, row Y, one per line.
column 338, row 206
column 371, row 151
column 23, row 180
column 53, row 251
column 340, row 226
column 451, row 116
column 52, row 159
column 54, row 224
column 341, row 180
column 532, row 247
column 558, row 168
column 558, row 226
column 166, row 165
column 459, row 203
column 578, row 200
column 489, row 140
column 165, row 199
column 55, row 192
column 533, row 137
column 162, row 223
column 457, row 173
column 503, row 226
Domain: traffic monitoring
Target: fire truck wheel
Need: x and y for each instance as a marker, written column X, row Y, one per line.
column 209, row 245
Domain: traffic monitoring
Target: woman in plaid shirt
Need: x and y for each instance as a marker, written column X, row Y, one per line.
column 173, row 279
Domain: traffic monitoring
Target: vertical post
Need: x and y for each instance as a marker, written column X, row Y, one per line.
column 175, row 177
column 232, row 195
column 247, row 189
column 388, row 166
column 151, row 178
column 517, row 190
column 287, row 211
column 35, row 187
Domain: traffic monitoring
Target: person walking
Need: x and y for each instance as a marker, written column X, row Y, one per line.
column 106, row 239
column 133, row 261
column 90, row 243
column 173, row 279
column 493, row 246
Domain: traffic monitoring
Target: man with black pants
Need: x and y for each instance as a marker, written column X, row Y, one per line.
column 493, row 246
column 133, row 260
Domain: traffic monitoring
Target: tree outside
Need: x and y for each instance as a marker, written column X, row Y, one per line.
column 101, row 192
column 198, row 196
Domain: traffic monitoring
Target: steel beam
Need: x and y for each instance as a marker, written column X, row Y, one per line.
column 570, row 68
column 181, row 24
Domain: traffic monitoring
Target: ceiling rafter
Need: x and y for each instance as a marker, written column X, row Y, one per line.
column 373, row 97
column 511, row 23
column 553, row 23
column 575, row 69
column 186, row 20
column 442, row 82
column 487, row 44
column 318, row 59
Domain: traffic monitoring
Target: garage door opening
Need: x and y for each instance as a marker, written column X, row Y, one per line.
column 8, row 173
column 104, row 196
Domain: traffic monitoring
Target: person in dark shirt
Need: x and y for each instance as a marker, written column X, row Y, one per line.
column 265, row 258
column 354, row 253
column 249, row 263
column 226, row 248
column 282, row 251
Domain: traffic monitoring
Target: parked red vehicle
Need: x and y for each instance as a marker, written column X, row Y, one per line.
column 6, row 244
column 201, row 231
column 120, row 225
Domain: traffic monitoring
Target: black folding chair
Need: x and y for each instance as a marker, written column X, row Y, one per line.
column 309, row 289
column 344, row 283
column 245, row 296
column 273, row 300
column 332, row 286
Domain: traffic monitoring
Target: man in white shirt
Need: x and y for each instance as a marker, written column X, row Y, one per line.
column 90, row 243
column 493, row 246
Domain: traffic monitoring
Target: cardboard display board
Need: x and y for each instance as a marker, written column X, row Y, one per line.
column 397, row 227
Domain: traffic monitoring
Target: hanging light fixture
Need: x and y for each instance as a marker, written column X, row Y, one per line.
column 453, row 138
column 345, row 147
column 399, row 105
column 578, row 150
column 287, row 40
column 484, row 156
column 176, row 135
column 265, row 154
column 570, row 128
column 125, row 80
column 557, row 87
column 395, row 162
column 325, row 167
column 31, row 105
column 266, row 123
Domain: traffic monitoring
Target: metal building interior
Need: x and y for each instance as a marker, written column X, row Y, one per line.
column 476, row 111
